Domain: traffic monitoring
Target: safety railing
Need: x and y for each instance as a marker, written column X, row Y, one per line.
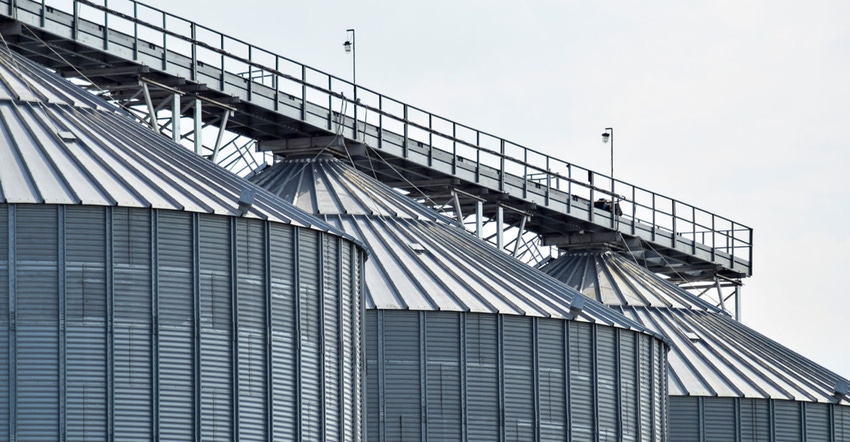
column 144, row 33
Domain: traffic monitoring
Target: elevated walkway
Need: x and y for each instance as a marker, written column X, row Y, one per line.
column 146, row 58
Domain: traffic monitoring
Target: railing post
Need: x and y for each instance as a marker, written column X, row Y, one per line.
column 276, row 83
column 675, row 232
column 502, row 165
column 406, row 134
column 250, row 72
column 477, row 156
column 694, row 230
column 105, row 25
column 76, row 21
column 381, row 122
column 430, row 140
column 135, row 28
column 304, row 93
column 192, row 32
column 221, row 77
column 454, row 148
column 164, row 42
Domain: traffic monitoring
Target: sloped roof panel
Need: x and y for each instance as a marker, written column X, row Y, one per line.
column 711, row 354
column 63, row 145
column 421, row 260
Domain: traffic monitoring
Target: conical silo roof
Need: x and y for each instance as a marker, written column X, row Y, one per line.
column 60, row 144
column 419, row 259
column 712, row 354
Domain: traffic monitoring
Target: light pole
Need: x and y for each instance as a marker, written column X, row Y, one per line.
column 606, row 137
column 350, row 46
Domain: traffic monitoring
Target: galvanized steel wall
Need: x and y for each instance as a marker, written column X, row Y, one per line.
column 146, row 325
column 482, row 377
column 713, row 419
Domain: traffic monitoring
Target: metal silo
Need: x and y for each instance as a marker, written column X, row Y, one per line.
column 466, row 343
column 146, row 294
column 727, row 382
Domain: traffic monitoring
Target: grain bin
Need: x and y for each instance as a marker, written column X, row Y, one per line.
column 727, row 382
column 466, row 343
column 146, row 294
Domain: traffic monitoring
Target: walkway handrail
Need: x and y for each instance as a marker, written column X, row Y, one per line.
column 378, row 111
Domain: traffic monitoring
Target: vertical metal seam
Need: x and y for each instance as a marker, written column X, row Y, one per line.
column 639, row 386
column 464, row 379
column 196, row 324
column 618, row 373
column 234, row 326
column 594, row 359
column 771, row 411
column 381, row 381
column 358, row 341
column 535, row 374
column 110, row 323
column 736, row 408
column 63, row 333
column 296, row 262
column 423, row 377
column 267, row 288
column 340, row 332
column 701, row 418
column 500, row 329
column 154, row 250
column 320, row 287
column 803, row 430
column 11, row 216
column 567, row 371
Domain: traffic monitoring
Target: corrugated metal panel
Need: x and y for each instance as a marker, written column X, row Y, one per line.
column 817, row 423
column 685, row 421
column 331, row 307
column 842, row 423
column 442, row 371
column 374, row 378
column 582, row 391
column 37, row 404
column 646, row 387
column 519, row 388
column 349, row 318
column 4, row 320
column 755, row 419
column 513, row 377
column 482, row 358
column 787, row 421
column 719, row 420
column 132, row 324
column 659, row 388
column 176, row 337
column 552, row 385
column 402, row 364
column 72, row 375
column 251, row 299
column 628, row 386
column 85, row 336
column 309, row 274
column 285, row 374
column 606, row 383
column 37, row 331
column 216, row 309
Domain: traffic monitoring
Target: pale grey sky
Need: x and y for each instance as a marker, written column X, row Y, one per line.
column 738, row 107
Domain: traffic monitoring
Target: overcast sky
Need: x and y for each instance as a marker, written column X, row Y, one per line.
column 738, row 107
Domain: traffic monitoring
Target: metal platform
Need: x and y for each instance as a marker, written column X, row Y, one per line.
column 242, row 97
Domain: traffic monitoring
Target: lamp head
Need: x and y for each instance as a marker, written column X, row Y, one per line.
column 605, row 137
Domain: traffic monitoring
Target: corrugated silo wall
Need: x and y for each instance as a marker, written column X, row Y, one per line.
column 482, row 377
column 711, row 419
column 169, row 325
